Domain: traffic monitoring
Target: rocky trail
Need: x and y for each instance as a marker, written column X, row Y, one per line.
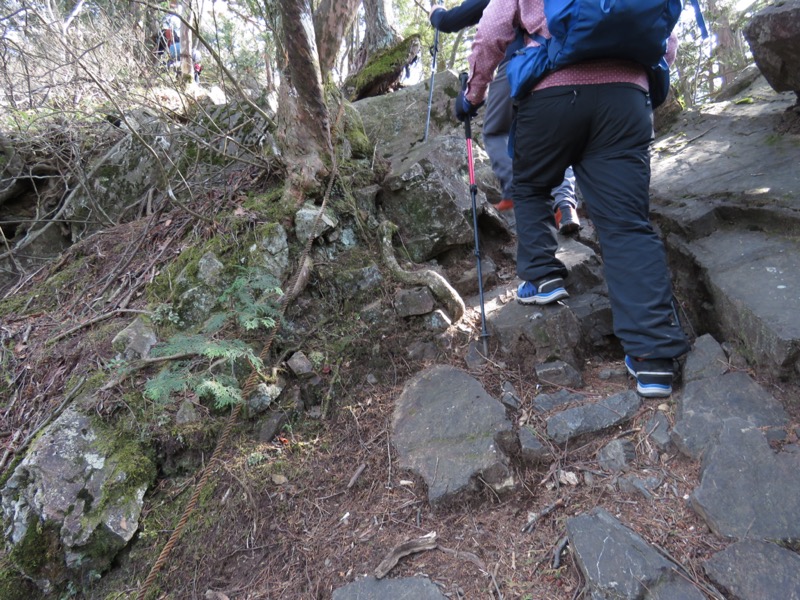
column 533, row 471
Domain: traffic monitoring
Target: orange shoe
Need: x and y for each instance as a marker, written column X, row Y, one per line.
column 505, row 204
column 567, row 221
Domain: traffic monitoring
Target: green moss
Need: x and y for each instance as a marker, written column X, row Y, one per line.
column 38, row 554
column 383, row 63
column 129, row 458
column 13, row 586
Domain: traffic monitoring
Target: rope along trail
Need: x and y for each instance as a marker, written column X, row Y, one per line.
column 250, row 384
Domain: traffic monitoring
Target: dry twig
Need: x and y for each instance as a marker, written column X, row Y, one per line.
column 426, row 542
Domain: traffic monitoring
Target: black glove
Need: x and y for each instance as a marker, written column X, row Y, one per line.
column 464, row 109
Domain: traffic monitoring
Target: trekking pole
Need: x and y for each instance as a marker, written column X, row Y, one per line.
column 434, row 52
column 473, row 190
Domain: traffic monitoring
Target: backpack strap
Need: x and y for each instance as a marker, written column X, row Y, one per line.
column 698, row 15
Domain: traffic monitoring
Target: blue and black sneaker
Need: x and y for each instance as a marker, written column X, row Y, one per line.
column 543, row 291
column 653, row 376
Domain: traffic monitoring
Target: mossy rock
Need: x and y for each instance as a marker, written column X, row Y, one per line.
column 383, row 70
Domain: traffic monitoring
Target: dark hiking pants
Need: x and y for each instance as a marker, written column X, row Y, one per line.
column 604, row 132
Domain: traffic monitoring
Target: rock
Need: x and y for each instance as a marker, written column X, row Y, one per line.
column 271, row 425
column 74, row 501
column 531, row 451
column 475, row 357
column 706, row 359
column 751, row 276
column 632, row 484
column 271, row 253
column 593, row 312
column 774, row 37
column 657, row 429
column 209, row 269
column 753, row 570
column 401, row 588
column 263, row 396
column 299, row 364
column 444, row 427
column 467, row 283
column 509, row 397
column 746, row 490
column 706, row 403
column 120, row 178
column 420, row 350
column 136, row 340
column 542, row 334
column 547, row 402
column 430, row 200
column 592, row 418
column 416, row 301
column 437, row 321
column 395, row 129
column 306, row 217
column 559, row 373
column 187, row 413
column 617, row 455
column 618, row 564
column 583, row 265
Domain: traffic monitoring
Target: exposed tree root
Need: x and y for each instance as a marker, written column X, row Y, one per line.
column 441, row 288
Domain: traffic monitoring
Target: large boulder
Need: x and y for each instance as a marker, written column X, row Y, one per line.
column 774, row 38
column 74, row 501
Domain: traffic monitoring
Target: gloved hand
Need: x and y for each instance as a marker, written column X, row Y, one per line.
column 464, row 109
column 431, row 13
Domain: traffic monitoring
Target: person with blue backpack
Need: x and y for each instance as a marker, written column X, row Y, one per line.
column 583, row 87
column 500, row 115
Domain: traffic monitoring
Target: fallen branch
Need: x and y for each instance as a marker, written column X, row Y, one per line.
column 465, row 555
column 356, row 475
column 440, row 287
column 535, row 517
column 97, row 319
column 426, row 542
column 562, row 543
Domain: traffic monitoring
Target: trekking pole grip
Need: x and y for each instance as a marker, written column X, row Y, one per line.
column 467, row 122
column 462, row 79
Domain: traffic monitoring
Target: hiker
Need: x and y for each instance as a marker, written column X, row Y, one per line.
column 500, row 115
column 198, row 65
column 596, row 116
column 171, row 34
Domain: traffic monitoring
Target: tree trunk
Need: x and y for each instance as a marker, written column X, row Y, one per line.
column 303, row 124
column 332, row 19
column 729, row 51
column 380, row 32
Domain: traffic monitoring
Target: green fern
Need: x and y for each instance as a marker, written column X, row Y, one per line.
column 249, row 298
column 223, row 395
column 250, row 303
column 170, row 380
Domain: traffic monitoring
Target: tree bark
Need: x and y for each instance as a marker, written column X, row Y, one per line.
column 303, row 122
column 332, row 19
column 380, row 32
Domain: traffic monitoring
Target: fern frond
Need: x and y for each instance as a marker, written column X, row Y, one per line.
column 223, row 395
column 168, row 381
column 216, row 322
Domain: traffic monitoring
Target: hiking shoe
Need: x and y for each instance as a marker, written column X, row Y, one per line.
column 567, row 221
column 653, row 377
column 504, row 204
column 543, row 291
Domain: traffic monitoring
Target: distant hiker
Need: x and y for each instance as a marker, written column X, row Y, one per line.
column 171, row 33
column 597, row 116
column 198, row 65
column 500, row 115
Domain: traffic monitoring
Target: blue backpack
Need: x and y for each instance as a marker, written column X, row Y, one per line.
column 583, row 30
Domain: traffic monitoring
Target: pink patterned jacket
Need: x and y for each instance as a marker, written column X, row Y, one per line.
column 498, row 28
